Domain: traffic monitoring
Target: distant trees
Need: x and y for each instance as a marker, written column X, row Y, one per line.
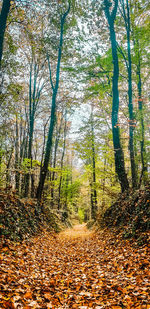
column 86, row 146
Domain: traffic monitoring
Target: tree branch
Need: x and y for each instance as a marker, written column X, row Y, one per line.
column 114, row 11
column 123, row 55
column 50, row 72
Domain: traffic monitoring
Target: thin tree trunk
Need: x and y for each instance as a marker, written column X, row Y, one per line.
column 58, row 131
column 34, row 95
column 91, row 199
column 66, row 189
column 23, row 141
column 8, row 178
column 103, row 185
column 126, row 15
column 53, row 111
column 17, row 176
column 118, row 152
column 142, row 142
column 25, row 153
column 94, row 194
column 144, row 170
column 44, row 168
column 3, row 20
column 131, row 116
column 62, row 162
column 31, row 123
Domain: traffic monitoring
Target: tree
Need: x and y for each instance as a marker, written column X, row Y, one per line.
column 119, row 155
column 140, row 36
column 3, row 20
column 128, row 61
column 86, row 146
column 57, row 138
column 62, row 159
column 140, row 107
column 55, row 87
column 35, row 89
column 93, row 183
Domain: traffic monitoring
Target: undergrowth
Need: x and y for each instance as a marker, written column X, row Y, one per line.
column 20, row 218
column 130, row 214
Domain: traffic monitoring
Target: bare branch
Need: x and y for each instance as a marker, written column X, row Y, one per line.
column 50, row 72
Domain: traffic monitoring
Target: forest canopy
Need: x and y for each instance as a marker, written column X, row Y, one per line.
column 74, row 102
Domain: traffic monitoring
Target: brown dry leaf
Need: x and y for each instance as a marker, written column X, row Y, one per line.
column 74, row 269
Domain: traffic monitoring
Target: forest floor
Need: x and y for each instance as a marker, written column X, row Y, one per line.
column 76, row 268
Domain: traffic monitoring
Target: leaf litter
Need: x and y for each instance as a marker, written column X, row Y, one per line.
column 74, row 269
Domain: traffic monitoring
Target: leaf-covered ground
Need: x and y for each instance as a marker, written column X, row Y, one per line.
column 20, row 218
column 131, row 214
column 74, row 269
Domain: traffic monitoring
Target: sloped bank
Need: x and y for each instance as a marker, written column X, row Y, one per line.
column 20, row 218
column 130, row 214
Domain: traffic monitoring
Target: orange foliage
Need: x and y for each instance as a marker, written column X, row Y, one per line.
column 75, row 269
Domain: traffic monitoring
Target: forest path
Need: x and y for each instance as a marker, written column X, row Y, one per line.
column 75, row 269
column 78, row 231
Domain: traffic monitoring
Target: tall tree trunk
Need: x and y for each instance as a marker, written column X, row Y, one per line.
column 140, row 107
column 24, row 150
column 126, row 16
column 31, row 123
column 144, row 171
column 62, row 162
column 118, row 152
column 66, row 191
column 103, row 183
column 94, row 193
column 3, row 20
column 8, row 177
column 17, row 176
column 58, row 131
column 44, row 168
column 35, row 90
column 131, row 116
column 53, row 110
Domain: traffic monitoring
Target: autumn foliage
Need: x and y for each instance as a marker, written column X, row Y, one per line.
column 74, row 269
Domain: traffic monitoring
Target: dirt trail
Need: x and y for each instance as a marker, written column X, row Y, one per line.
column 78, row 231
column 74, row 269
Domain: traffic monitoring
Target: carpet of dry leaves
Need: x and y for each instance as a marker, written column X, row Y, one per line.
column 74, row 269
